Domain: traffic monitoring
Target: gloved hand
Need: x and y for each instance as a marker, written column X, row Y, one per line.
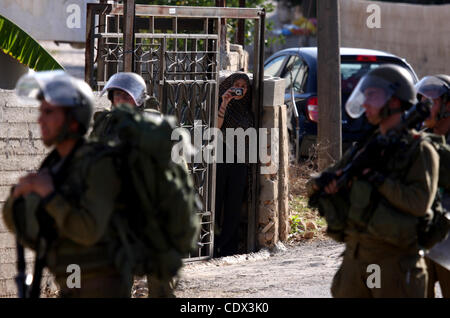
column 375, row 177
column 324, row 179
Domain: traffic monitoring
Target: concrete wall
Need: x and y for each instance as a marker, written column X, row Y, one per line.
column 53, row 20
column 418, row 33
column 21, row 151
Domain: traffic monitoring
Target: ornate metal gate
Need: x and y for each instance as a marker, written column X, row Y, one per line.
column 177, row 51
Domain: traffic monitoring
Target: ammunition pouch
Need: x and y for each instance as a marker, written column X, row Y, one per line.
column 334, row 209
column 392, row 226
column 361, row 199
column 436, row 229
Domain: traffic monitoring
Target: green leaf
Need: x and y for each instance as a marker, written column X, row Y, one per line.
column 22, row 47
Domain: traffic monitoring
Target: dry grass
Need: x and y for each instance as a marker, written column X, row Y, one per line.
column 306, row 224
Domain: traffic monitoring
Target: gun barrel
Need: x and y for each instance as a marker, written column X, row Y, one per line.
column 20, row 277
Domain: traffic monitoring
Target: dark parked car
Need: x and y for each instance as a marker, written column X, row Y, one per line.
column 303, row 63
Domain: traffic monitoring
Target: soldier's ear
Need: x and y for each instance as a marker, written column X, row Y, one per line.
column 395, row 103
column 74, row 126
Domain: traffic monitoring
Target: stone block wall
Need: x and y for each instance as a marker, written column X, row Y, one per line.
column 273, row 209
column 235, row 58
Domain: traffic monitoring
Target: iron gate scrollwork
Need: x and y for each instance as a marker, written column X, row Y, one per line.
column 177, row 52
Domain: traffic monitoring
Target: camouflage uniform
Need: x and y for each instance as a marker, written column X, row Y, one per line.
column 382, row 213
column 436, row 272
column 407, row 192
column 81, row 207
column 437, row 88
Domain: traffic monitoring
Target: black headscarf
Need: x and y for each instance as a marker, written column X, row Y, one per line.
column 239, row 113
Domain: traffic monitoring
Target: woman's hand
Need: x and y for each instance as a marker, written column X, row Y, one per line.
column 226, row 98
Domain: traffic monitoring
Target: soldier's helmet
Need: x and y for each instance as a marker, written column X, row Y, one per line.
column 378, row 86
column 433, row 87
column 131, row 83
column 60, row 90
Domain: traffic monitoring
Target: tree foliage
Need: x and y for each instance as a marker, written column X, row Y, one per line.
column 231, row 23
column 22, row 47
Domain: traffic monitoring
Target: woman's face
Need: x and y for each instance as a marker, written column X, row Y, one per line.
column 241, row 83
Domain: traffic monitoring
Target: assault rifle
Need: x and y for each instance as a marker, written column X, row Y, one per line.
column 28, row 286
column 368, row 154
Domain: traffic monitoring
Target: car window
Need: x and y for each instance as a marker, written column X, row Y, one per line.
column 351, row 73
column 273, row 67
column 299, row 73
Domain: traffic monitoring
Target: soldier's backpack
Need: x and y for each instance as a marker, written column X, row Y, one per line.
column 160, row 224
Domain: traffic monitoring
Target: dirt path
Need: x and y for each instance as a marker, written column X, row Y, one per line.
column 304, row 270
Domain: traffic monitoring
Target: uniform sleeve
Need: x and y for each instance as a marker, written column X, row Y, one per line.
column 416, row 193
column 86, row 223
column 8, row 214
column 19, row 216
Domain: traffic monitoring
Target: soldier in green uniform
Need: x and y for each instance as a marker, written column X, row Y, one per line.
column 64, row 210
column 124, row 88
column 129, row 89
column 383, row 205
column 437, row 88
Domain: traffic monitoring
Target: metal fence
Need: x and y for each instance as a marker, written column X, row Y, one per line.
column 177, row 50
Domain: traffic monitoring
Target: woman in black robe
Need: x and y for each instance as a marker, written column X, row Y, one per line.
column 231, row 178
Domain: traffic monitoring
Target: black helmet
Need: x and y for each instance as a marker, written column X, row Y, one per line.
column 61, row 90
column 392, row 80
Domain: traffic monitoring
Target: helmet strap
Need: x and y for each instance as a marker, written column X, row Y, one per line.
column 443, row 112
column 65, row 132
column 386, row 111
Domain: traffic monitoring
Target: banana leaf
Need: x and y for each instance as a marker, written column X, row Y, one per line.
column 22, row 47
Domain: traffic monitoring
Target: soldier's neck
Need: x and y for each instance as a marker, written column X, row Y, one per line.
column 389, row 123
column 442, row 127
column 65, row 147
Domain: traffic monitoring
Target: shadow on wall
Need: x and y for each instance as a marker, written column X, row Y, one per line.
column 11, row 71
